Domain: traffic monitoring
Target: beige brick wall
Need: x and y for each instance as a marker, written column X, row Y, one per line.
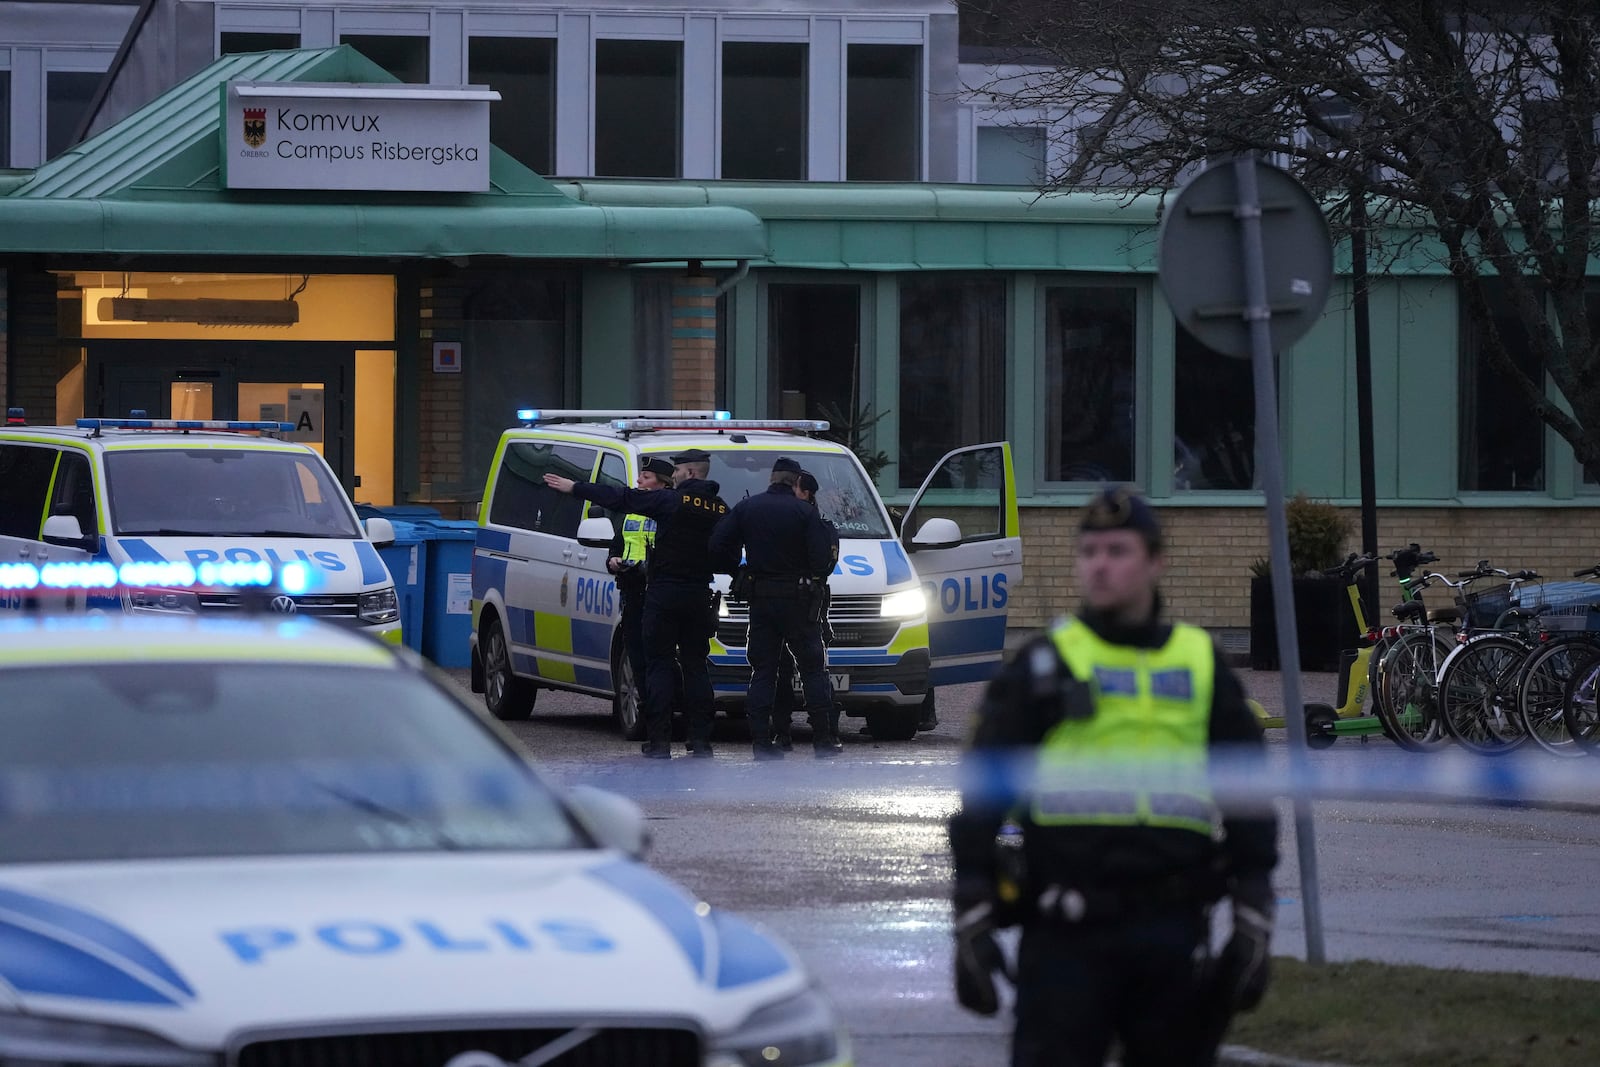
column 1209, row 551
column 440, row 397
column 694, row 342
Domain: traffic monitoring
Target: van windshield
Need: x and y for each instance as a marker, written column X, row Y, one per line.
column 846, row 498
column 213, row 492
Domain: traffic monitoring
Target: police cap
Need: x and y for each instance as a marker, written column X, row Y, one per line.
column 693, row 455
column 1122, row 508
column 659, row 466
column 784, row 463
column 808, row 482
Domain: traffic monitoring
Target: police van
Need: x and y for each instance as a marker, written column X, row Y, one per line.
column 913, row 608
column 178, row 499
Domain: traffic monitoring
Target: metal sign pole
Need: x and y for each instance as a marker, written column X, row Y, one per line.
column 1258, row 313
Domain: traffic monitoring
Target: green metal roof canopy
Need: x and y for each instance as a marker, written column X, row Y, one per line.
column 150, row 185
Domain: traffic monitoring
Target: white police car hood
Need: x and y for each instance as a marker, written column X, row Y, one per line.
column 867, row 566
column 333, row 564
column 198, row 950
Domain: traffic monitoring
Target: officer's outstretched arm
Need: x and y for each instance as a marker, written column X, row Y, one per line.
column 822, row 548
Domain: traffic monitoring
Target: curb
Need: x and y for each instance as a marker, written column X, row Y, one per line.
column 1244, row 1056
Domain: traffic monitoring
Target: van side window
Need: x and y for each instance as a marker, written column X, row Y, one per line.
column 522, row 499
column 25, row 472
column 614, row 472
column 74, row 494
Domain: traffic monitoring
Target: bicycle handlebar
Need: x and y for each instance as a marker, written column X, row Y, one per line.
column 1351, row 564
column 1588, row 572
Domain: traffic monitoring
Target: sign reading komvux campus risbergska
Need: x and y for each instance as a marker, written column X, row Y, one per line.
column 298, row 135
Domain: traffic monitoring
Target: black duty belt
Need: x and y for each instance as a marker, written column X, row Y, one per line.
column 1109, row 903
column 791, row 587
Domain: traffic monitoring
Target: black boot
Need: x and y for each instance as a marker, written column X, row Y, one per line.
column 765, row 750
column 825, row 745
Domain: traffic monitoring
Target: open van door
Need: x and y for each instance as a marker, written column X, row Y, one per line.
column 966, row 540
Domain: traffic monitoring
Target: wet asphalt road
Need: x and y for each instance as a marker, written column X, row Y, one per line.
column 846, row 859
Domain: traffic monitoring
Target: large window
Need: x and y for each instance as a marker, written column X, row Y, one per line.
column 883, row 113
column 405, row 57
column 1214, row 418
column 69, row 93
column 1502, row 440
column 814, row 343
column 638, row 109
column 25, row 473
column 234, row 43
column 763, row 110
column 1090, row 338
column 952, row 369
column 5, row 118
column 523, row 70
column 521, row 498
column 1011, row 155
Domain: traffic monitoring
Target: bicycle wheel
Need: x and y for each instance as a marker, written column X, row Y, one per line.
column 1580, row 705
column 1478, row 694
column 1542, row 690
column 1410, row 705
column 1375, row 675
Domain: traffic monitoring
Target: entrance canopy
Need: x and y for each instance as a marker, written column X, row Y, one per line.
column 151, row 185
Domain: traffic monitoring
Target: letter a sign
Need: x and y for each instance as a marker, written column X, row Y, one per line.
column 305, row 411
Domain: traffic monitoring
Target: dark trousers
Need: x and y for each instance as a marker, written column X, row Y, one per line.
column 632, row 623
column 784, row 700
column 775, row 622
column 676, row 638
column 1137, row 979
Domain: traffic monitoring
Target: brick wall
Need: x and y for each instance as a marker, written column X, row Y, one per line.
column 1209, row 551
column 440, row 397
column 694, row 342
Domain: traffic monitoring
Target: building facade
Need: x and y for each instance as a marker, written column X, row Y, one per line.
column 785, row 211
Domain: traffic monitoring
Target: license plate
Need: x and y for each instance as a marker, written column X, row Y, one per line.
column 840, row 682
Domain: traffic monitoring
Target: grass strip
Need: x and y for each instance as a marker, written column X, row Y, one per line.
column 1366, row 1014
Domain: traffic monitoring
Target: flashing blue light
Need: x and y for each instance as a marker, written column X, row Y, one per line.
column 722, row 416
column 527, row 414
column 138, row 413
column 185, row 424
column 295, row 578
column 244, row 572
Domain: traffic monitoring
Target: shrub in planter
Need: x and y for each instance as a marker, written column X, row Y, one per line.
column 1324, row 624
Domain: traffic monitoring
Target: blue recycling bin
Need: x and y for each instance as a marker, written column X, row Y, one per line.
column 407, row 560
column 447, row 615
column 408, row 512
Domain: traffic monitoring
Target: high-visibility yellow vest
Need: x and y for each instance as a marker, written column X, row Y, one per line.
column 1140, row 760
column 638, row 534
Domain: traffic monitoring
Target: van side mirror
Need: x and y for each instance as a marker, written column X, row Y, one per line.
column 380, row 531
column 614, row 820
column 595, row 533
column 936, row 533
column 64, row 530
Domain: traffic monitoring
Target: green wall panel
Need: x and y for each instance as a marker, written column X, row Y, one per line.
column 606, row 362
column 1427, row 329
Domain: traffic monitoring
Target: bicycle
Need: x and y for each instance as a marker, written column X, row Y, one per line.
column 1409, row 673
column 1480, row 679
column 1569, row 636
column 1406, row 561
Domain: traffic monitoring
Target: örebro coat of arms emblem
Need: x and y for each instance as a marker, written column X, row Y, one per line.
column 255, row 126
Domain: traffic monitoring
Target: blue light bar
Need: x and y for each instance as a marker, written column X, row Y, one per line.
column 527, row 414
column 719, row 425
column 183, row 424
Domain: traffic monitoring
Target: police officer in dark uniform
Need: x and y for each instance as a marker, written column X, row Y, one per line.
column 1095, row 740
column 789, row 554
column 679, row 616
column 627, row 558
column 783, row 699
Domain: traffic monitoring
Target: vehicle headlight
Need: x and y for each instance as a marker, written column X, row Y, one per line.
column 906, row 604
column 163, row 600
column 31, row 1041
column 798, row 1032
column 722, row 607
column 380, row 605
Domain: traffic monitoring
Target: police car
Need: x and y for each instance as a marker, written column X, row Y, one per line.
column 188, row 494
column 913, row 608
column 263, row 841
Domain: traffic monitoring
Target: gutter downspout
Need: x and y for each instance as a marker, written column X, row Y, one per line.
column 733, row 279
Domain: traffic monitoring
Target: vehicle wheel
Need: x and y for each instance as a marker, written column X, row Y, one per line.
column 1478, row 695
column 893, row 724
column 509, row 698
column 928, row 714
column 627, row 709
column 1542, row 690
column 1580, row 708
column 1319, row 725
column 1410, row 704
column 1375, row 669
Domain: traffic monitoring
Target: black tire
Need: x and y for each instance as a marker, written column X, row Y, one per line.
column 1541, row 694
column 508, row 698
column 1580, row 708
column 893, row 724
column 1410, row 705
column 928, row 714
column 1478, row 695
column 627, row 710
column 1319, row 725
column 1375, row 669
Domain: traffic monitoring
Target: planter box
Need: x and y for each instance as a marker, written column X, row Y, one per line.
column 1324, row 623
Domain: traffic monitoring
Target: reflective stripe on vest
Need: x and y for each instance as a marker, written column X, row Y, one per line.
column 1140, row 760
column 638, row 534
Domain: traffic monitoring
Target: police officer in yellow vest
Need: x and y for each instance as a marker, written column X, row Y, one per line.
column 1094, row 742
column 630, row 551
